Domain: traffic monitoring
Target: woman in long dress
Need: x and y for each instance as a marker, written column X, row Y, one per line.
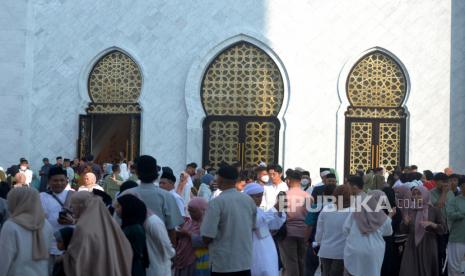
column 26, row 236
column 133, row 213
column 264, row 254
column 423, row 223
column 365, row 228
column 98, row 246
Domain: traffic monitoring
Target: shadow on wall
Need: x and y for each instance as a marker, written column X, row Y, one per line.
column 457, row 86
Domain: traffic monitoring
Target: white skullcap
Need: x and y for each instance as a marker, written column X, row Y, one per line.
column 324, row 173
column 253, row 189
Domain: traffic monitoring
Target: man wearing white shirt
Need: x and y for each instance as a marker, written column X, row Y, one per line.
column 54, row 202
column 24, row 169
column 167, row 181
column 272, row 188
column 69, row 170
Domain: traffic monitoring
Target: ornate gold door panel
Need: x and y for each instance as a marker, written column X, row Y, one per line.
column 261, row 143
column 389, row 148
column 374, row 143
column 248, row 141
column 221, row 142
column 360, row 155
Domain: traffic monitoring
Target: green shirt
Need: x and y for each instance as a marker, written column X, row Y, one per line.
column 456, row 218
column 111, row 186
column 436, row 194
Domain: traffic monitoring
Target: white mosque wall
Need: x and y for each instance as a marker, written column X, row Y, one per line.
column 172, row 41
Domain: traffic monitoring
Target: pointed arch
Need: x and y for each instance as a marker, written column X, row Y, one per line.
column 375, row 126
column 197, row 114
column 242, row 92
column 114, row 84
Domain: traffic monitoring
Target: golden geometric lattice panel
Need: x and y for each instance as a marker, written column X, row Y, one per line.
column 376, row 112
column 389, row 145
column 243, row 81
column 260, row 143
column 223, row 143
column 376, row 80
column 114, row 108
column 115, row 78
column 361, row 137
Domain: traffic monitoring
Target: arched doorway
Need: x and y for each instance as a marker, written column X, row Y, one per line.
column 375, row 132
column 242, row 93
column 111, row 127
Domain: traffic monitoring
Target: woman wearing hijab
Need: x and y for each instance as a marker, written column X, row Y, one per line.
column 26, row 236
column 90, row 183
column 159, row 247
column 98, row 246
column 191, row 253
column 124, row 171
column 264, row 256
column 133, row 213
column 365, row 228
column 423, row 223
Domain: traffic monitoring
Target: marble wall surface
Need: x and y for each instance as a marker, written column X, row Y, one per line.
column 15, row 82
column 173, row 42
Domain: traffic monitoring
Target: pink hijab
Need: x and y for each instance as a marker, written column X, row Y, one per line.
column 185, row 253
column 403, row 196
column 420, row 211
column 369, row 221
column 201, row 204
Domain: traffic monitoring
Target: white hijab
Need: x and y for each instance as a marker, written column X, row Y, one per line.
column 124, row 171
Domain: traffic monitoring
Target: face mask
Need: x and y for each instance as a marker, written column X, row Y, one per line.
column 265, row 178
column 23, row 168
column 305, row 182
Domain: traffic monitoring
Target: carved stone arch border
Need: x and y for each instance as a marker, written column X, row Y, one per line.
column 344, row 102
column 193, row 100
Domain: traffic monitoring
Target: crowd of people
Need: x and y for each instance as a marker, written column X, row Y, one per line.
column 137, row 218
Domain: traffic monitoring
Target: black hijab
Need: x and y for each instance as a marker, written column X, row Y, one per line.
column 133, row 210
column 397, row 218
column 127, row 185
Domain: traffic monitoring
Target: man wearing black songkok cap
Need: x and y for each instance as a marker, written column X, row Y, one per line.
column 159, row 201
